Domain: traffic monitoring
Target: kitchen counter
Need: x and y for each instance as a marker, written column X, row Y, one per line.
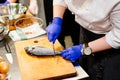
column 14, row 68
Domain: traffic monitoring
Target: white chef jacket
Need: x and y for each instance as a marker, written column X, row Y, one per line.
column 98, row 16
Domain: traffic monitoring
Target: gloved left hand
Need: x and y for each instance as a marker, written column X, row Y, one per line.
column 33, row 7
column 73, row 53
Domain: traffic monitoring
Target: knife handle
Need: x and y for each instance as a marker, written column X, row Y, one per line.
column 7, row 47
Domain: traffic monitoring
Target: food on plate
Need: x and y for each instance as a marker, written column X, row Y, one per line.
column 27, row 21
column 40, row 51
column 14, row 20
column 12, row 28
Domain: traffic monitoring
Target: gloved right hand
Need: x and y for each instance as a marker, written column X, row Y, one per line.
column 54, row 29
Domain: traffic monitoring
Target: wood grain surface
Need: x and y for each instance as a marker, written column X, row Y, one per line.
column 42, row 67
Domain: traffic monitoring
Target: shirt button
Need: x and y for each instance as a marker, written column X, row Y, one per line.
column 72, row 13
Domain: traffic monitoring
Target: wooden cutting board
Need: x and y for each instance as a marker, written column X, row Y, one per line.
column 42, row 68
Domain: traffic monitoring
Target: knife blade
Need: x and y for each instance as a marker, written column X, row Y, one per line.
column 55, row 53
column 9, row 57
column 53, row 49
column 8, row 53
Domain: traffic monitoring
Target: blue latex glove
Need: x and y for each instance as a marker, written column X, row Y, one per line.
column 73, row 53
column 54, row 29
column 6, row 2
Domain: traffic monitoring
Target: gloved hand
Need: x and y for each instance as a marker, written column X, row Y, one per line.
column 54, row 29
column 33, row 7
column 4, row 2
column 73, row 53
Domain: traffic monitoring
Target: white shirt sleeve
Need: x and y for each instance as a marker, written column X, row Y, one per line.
column 59, row 2
column 113, row 37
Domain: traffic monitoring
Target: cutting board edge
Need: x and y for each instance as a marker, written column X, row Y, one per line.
column 61, row 77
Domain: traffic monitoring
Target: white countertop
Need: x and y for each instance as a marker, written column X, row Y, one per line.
column 80, row 73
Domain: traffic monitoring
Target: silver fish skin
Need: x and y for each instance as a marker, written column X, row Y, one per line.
column 40, row 51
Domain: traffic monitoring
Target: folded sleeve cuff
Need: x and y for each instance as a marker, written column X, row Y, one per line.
column 113, row 39
column 59, row 2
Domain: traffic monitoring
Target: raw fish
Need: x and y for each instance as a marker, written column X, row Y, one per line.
column 40, row 51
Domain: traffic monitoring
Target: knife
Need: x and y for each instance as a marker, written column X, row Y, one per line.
column 8, row 53
column 55, row 52
column 53, row 49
